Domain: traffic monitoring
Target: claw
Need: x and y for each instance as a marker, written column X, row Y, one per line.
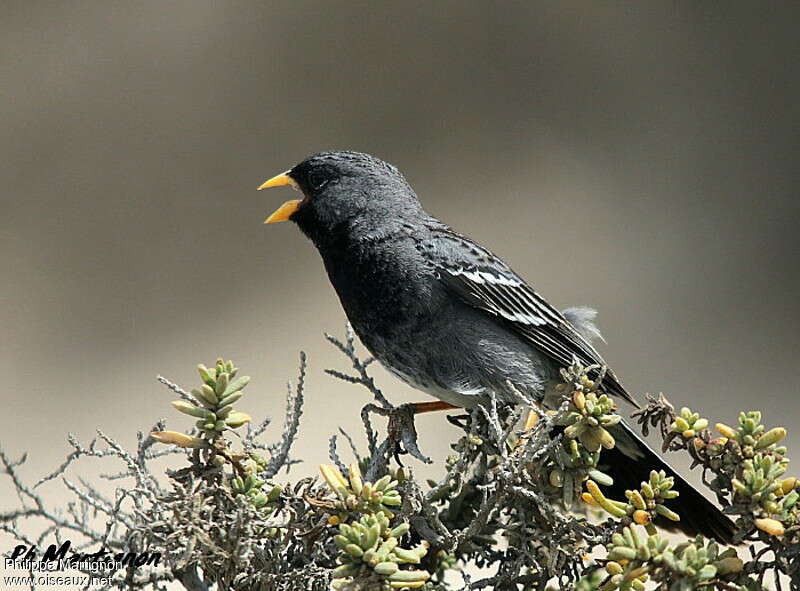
column 460, row 421
column 398, row 451
column 401, row 436
column 403, row 433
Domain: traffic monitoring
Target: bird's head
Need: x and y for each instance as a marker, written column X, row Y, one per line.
column 343, row 192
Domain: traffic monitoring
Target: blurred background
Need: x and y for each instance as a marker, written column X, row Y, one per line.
column 641, row 159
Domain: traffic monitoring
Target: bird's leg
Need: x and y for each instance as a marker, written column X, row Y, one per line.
column 530, row 422
column 402, row 433
column 459, row 421
column 402, row 430
column 421, row 407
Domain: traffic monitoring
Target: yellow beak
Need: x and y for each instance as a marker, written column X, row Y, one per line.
column 281, row 180
column 287, row 209
column 284, row 212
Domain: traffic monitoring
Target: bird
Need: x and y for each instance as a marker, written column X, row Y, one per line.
column 448, row 317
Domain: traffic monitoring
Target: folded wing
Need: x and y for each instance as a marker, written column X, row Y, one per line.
column 484, row 281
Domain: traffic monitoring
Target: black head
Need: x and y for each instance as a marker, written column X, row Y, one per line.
column 344, row 192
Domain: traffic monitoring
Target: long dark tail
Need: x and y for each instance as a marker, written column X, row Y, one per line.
column 630, row 463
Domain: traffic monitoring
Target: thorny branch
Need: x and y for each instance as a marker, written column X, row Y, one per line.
column 508, row 501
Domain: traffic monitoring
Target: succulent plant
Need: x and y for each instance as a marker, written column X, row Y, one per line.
column 642, row 505
column 688, row 423
column 634, row 557
column 369, row 546
column 587, row 415
column 228, row 526
column 356, row 496
column 212, row 405
column 220, row 390
column 772, row 500
column 589, row 412
column 253, row 488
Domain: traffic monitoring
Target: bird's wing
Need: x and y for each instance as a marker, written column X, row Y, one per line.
column 484, row 281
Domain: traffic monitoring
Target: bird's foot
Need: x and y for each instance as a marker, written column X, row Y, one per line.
column 402, row 433
column 460, row 421
column 401, row 436
column 520, row 444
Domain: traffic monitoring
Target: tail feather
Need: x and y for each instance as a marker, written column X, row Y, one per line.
column 630, row 463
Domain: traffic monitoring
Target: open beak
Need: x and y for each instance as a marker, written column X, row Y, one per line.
column 285, row 211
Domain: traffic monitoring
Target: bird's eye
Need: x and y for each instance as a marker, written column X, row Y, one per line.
column 317, row 179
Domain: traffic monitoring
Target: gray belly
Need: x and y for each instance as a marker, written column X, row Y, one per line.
column 461, row 362
column 463, row 399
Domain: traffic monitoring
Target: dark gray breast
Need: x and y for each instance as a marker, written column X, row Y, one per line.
column 409, row 319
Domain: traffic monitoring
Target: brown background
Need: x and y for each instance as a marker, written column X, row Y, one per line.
column 639, row 158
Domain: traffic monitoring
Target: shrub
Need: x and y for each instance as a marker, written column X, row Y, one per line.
column 526, row 506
